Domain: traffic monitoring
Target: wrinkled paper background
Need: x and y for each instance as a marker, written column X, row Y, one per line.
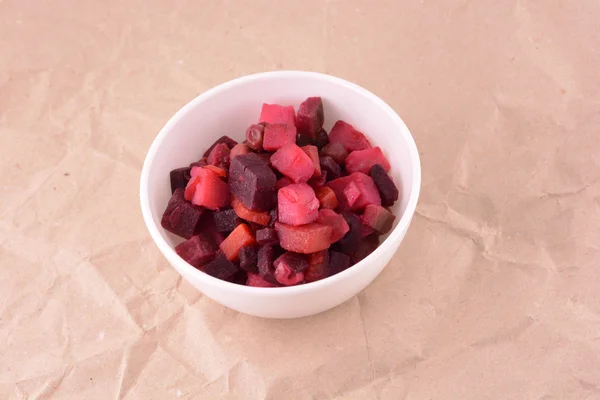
column 494, row 294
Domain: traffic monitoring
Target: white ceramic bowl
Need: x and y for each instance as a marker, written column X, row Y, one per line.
column 229, row 109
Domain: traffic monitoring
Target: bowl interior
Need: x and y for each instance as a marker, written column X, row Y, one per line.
column 230, row 108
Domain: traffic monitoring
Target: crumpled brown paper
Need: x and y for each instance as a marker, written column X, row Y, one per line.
column 493, row 295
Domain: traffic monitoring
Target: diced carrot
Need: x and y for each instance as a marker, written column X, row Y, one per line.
column 241, row 236
column 327, row 197
column 219, row 171
column 259, row 217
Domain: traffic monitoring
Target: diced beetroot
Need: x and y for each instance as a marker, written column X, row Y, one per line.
column 289, row 268
column 350, row 241
column 366, row 187
column 330, row 167
column 352, row 139
column 221, row 173
column 258, row 281
column 241, row 236
column 297, row 204
column 294, row 163
column 223, row 139
column 179, row 178
column 385, row 185
column 208, row 227
column 252, row 182
column 258, row 217
column 318, row 181
column 226, row 220
column 318, row 266
column 364, row 248
column 363, row 160
column 366, row 230
column 339, row 226
column 207, row 189
column 200, row 163
column 181, row 217
column 336, row 151
column 274, row 214
column 321, row 139
column 219, row 156
column 278, row 135
column 378, row 218
column 310, row 117
column 338, row 262
column 326, row 197
column 276, row 114
column 266, row 236
column 248, row 259
column 283, row 182
column 266, row 256
column 304, row 239
column 239, row 149
column 313, row 153
column 254, row 136
column 221, row 268
column 303, row 140
column 351, row 193
column 197, row 250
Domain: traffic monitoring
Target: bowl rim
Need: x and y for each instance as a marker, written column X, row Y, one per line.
column 182, row 265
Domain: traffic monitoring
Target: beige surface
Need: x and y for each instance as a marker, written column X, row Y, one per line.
column 493, row 295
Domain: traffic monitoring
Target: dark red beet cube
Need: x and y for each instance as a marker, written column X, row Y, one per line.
column 197, row 250
column 223, row 139
column 283, row 182
column 363, row 160
column 254, row 136
column 304, row 239
column 352, row 139
column 249, row 259
column 276, row 114
column 266, row 256
column 226, row 220
column 221, row 268
column 278, row 135
column 181, row 217
column 318, row 182
column 338, row 223
column 303, row 140
column 266, row 236
column 179, row 178
column 313, row 153
column 378, row 218
column 362, row 191
column 338, row 262
column 385, row 185
column 258, row 281
column 364, row 248
column 294, row 163
column 207, row 189
column 252, row 182
column 289, row 268
column 274, row 214
column 318, row 266
column 330, row 167
column 321, row 139
column 239, row 149
column 219, row 156
column 297, row 204
column 336, row 151
column 352, row 238
column 310, row 117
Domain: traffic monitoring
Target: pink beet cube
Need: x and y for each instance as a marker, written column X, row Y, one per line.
column 289, row 268
column 297, row 204
column 363, row 160
column 208, row 190
column 278, row 135
column 276, row 114
column 310, row 117
column 366, row 187
column 351, row 193
column 378, row 218
column 258, row 281
column 304, row 239
column 352, row 139
column 294, row 163
column 197, row 250
column 219, row 156
column 339, row 226
column 318, row 266
column 313, row 153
